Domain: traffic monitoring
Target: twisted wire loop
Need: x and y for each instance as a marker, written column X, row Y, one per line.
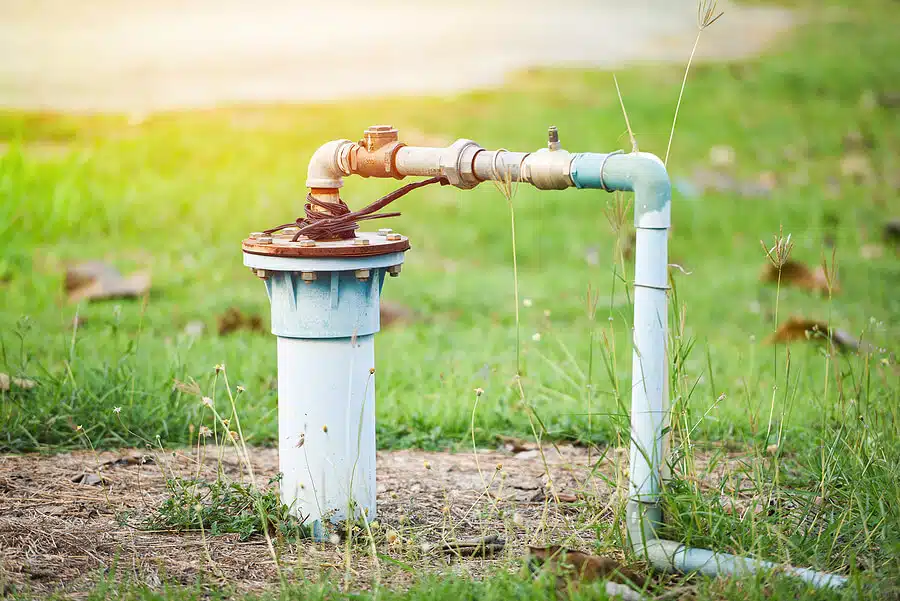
column 330, row 220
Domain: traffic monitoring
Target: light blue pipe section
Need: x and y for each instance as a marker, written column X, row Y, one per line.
column 638, row 172
column 645, row 175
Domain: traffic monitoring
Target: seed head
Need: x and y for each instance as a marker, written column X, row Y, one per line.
column 371, row 370
column 117, row 410
column 392, row 537
column 205, row 432
column 240, row 389
column 207, row 401
column 479, row 391
column 220, row 367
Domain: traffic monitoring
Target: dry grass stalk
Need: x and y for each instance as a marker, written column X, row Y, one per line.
column 706, row 16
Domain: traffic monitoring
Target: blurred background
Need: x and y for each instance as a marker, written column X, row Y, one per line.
column 141, row 141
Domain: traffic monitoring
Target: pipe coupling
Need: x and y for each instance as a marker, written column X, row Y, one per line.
column 458, row 164
column 549, row 169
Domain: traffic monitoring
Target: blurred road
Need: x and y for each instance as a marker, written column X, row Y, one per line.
column 144, row 55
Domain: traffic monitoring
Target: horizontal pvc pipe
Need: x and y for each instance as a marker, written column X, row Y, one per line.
column 326, row 427
column 671, row 556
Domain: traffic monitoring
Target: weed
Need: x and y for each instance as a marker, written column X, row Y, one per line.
column 221, row 506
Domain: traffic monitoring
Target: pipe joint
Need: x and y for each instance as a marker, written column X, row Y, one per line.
column 329, row 164
column 548, row 169
column 457, row 164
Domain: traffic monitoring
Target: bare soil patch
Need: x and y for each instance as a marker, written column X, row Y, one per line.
column 60, row 535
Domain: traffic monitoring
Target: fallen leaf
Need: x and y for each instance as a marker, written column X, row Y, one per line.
column 799, row 328
column 795, row 273
column 233, row 320
column 476, row 547
column 578, row 566
column 393, row 313
column 23, row 383
column 88, row 480
column 94, row 280
column 515, row 445
column 567, row 498
column 131, row 460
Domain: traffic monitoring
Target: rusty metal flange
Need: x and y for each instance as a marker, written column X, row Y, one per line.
column 366, row 244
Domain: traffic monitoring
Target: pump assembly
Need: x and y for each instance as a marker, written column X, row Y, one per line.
column 324, row 278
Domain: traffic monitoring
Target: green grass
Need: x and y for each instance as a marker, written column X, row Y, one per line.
column 177, row 192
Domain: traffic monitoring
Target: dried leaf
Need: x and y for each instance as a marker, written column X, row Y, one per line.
column 578, row 566
column 795, row 273
column 95, row 280
column 799, row 328
column 6, row 382
column 233, row 320
column 515, row 445
column 393, row 313
column 88, row 479
column 477, row 547
column 131, row 460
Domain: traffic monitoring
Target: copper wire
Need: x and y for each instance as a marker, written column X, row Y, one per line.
column 334, row 220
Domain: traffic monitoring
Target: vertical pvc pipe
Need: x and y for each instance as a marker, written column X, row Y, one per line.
column 648, row 368
column 326, row 426
column 645, row 175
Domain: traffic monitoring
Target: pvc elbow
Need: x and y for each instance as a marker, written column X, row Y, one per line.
column 652, row 191
column 640, row 172
column 329, row 165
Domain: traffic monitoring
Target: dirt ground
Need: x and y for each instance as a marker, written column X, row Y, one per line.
column 59, row 535
column 148, row 55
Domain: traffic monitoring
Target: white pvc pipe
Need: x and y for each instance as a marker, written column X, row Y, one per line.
column 649, row 401
column 326, row 426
